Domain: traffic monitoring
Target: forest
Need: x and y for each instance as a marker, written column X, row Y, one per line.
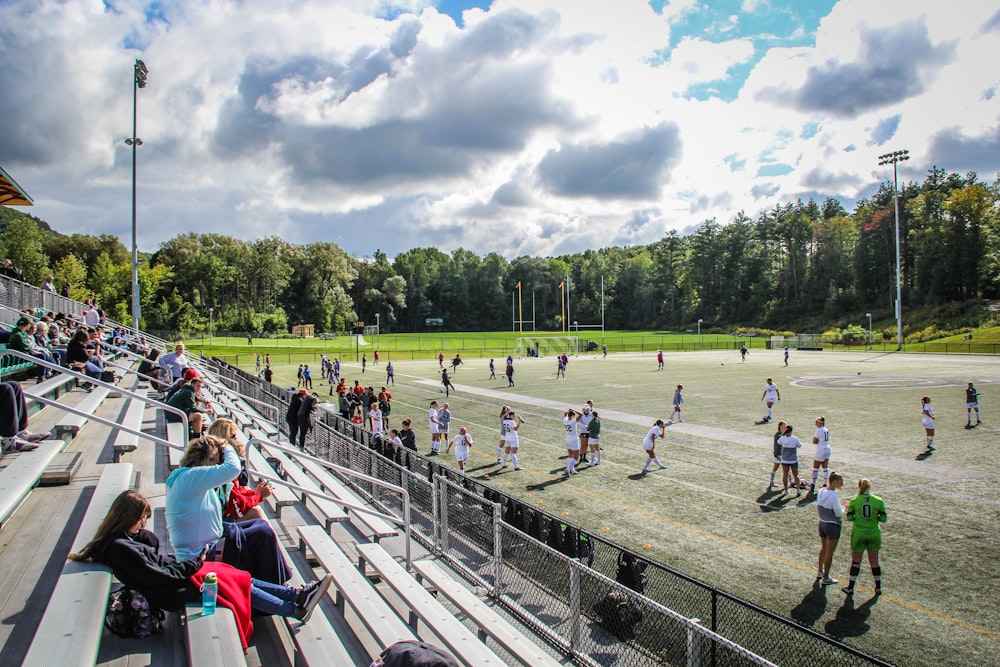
column 791, row 263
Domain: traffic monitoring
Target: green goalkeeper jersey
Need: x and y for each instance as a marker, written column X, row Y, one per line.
column 866, row 511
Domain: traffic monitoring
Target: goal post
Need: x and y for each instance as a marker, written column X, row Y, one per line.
column 547, row 346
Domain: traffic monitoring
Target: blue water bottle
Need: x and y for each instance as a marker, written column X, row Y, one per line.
column 209, row 594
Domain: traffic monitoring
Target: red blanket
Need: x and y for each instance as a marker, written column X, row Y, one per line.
column 234, row 593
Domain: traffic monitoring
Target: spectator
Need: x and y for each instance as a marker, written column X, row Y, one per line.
column 48, row 285
column 22, row 339
column 175, row 362
column 133, row 554
column 79, row 358
column 242, row 502
column 306, row 410
column 292, row 414
column 14, row 420
column 43, row 342
column 194, row 515
column 186, row 399
column 65, row 291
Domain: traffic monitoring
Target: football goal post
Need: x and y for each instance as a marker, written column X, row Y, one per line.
column 547, row 346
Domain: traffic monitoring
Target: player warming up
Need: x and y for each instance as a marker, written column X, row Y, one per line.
column 790, row 445
column 572, row 427
column 770, row 396
column 777, row 452
column 511, row 425
column 927, row 420
column 462, row 443
column 866, row 512
column 831, row 515
column 821, row 438
column 971, row 403
column 678, row 399
column 649, row 444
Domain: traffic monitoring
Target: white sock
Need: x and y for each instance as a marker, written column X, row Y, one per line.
column 930, row 441
column 514, row 459
column 826, row 476
column 815, row 475
column 649, row 459
column 598, row 455
column 571, row 465
column 769, row 413
column 772, row 476
column 657, row 461
column 499, row 452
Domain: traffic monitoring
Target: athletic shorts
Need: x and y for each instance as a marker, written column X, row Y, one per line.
column 972, row 405
column 573, row 446
column 823, row 454
column 461, row 452
column 863, row 540
column 594, row 441
column 434, row 428
column 928, row 422
column 829, row 531
column 789, row 463
column 649, row 448
column 442, row 430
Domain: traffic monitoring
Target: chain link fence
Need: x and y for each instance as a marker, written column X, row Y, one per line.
column 602, row 603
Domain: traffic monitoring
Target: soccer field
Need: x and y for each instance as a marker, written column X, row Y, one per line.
column 709, row 513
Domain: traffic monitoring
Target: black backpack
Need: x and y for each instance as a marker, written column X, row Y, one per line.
column 130, row 615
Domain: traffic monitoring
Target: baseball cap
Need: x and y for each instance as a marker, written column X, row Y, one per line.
column 411, row 653
column 190, row 374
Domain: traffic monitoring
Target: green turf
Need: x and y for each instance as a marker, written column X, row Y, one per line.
column 708, row 513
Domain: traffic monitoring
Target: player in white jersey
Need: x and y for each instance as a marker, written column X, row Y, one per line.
column 462, row 443
column 432, row 421
column 375, row 419
column 572, row 426
column 586, row 416
column 790, row 445
column 821, row 438
column 504, row 409
column 927, row 419
column 512, row 441
column 770, row 396
column 831, row 513
column 649, row 444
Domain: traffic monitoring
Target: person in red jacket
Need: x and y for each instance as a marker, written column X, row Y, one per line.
column 133, row 554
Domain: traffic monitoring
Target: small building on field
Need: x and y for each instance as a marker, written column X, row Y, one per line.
column 304, row 330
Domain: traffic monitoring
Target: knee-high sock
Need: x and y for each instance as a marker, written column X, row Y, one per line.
column 514, row 459
column 826, row 476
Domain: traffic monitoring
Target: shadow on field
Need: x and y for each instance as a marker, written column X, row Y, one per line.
column 924, row 455
column 813, row 605
column 851, row 621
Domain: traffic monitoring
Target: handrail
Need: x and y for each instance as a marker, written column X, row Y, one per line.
column 296, row 454
column 230, row 407
column 99, row 420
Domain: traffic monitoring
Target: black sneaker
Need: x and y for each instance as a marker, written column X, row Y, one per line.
column 313, row 597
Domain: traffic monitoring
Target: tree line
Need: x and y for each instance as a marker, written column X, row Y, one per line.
column 797, row 260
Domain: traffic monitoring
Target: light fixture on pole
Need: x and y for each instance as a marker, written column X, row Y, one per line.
column 869, row 316
column 139, row 81
column 211, row 324
column 378, row 329
column 699, row 331
column 894, row 158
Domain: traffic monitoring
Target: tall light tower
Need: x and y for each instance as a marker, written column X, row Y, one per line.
column 894, row 158
column 139, row 81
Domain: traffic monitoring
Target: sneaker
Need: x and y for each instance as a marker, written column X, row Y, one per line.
column 819, row 575
column 313, row 598
column 504, row 465
column 878, row 591
column 848, row 590
column 644, row 471
column 663, row 467
column 770, row 487
column 15, row 444
column 33, row 437
column 978, row 422
column 516, row 468
column 830, row 581
column 498, row 460
column 812, row 489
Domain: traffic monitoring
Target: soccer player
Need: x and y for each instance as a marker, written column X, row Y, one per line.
column 866, row 512
column 584, row 429
column 390, row 374
column 493, row 370
column 743, row 354
column 770, row 396
column 446, row 381
column 927, row 419
column 504, row 409
column 659, row 360
column 511, row 424
column 831, row 513
column 649, row 444
column 432, row 421
column 678, row 399
column 375, row 419
column 594, row 438
column 971, row 403
column 821, row 438
column 572, row 426
column 790, row 445
column 786, row 355
column 462, row 443
column 510, row 372
column 444, row 422
column 777, row 452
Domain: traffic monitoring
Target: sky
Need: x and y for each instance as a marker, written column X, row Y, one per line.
column 523, row 127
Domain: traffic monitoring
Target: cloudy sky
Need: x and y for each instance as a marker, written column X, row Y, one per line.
column 531, row 127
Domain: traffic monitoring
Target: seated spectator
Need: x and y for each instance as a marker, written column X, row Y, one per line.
column 186, row 399
column 42, row 341
column 79, row 357
column 175, row 361
column 22, row 339
column 241, row 502
column 194, row 514
column 133, row 554
column 14, row 420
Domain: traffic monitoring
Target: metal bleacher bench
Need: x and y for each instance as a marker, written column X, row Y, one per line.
column 423, row 606
column 486, row 619
column 212, row 641
column 281, row 496
column 69, row 633
column 127, row 442
column 326, row 511
column 22, row 473
column 176, row 435
column 353, row 588
column 70, row 424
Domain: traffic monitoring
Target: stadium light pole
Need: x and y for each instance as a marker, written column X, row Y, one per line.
column 378, row 329
column 699, row 332
column 211, row 325
column 869, row 316
column 894, row 158
column 138, row 81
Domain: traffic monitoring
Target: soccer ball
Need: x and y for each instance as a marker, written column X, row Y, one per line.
column 722, row 364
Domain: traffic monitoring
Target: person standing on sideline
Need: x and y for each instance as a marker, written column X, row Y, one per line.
column 503, row 433
column 292, row 416
column 790, row 445
column 927, row 419
column 336, row 368
column 462, row 443
column 786, row 355
column 971, row 403
column 307, row 377
column 604, row 349
column 510, row 425
column 444, row 422
column 299, row 377
column 743, row 354
column 777, row 452
column 407, row 436
column 649, row 444
column 659, row 360
column 258, row 365
column 866, row 512
column 821, row 438
column 375, row 420
column 309, row 403
column 375, row 360
column 510, row 373
column 432, row 421
column 390, row 374
column 572, row 426
column 493, row 370
column 584, row 429
column 770, row 395
column 594, row 438
column 364, row 362
column 831, row 515
column 268, row 373
column 678, row 399
column 385, row 405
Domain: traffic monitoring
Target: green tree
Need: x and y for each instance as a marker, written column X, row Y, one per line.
column 22, row 245
column 71, row 271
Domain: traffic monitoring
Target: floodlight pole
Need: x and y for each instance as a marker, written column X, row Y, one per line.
column 869, row 316
column 894, row 158
column 138, row 81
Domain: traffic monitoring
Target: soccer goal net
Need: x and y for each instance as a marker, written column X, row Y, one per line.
column 547, row 346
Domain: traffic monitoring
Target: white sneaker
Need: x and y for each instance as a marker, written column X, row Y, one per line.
column 829, row 581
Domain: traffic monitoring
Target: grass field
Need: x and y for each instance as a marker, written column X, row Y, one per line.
column 709, row 514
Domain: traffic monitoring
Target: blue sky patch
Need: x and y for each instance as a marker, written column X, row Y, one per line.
column 776, row 169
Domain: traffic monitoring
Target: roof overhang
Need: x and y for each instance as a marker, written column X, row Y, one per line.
column 11, row 193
